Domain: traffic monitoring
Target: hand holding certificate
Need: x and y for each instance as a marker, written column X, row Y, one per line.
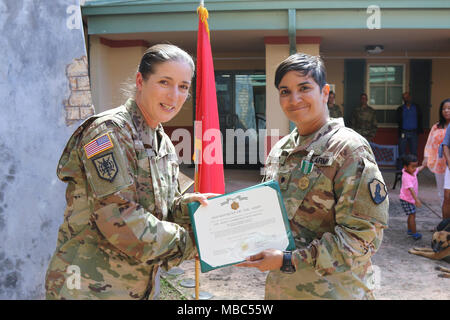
column 240, row 224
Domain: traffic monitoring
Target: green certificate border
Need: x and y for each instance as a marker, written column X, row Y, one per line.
column 193, row 206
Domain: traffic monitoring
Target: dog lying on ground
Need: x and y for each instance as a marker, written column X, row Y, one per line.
column 440, row 247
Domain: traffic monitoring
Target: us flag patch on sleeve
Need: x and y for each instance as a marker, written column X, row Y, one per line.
column 98, row 145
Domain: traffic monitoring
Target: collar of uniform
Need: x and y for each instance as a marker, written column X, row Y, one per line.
column 146, row 134
column 314, row 141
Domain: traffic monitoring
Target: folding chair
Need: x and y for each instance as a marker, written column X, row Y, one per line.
column 386, row 157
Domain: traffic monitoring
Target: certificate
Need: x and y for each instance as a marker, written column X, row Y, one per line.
column 240, row 224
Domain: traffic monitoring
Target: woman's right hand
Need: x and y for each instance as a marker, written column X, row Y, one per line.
column 202, row 197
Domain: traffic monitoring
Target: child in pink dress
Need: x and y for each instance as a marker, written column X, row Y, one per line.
column 409, row 192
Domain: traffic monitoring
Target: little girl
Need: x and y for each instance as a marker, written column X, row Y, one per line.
column 409, row 192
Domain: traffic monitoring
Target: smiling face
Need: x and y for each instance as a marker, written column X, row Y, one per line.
column 162, row 95
column 303, row 102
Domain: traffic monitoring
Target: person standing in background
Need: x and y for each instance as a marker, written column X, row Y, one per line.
column 409, row 126
column 364, row 119
column 334, row 109
column 409, row 193
column 431, row 160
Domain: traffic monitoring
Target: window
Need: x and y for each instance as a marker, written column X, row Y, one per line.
column 385, row 87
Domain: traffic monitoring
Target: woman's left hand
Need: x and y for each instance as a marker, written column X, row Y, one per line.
column 269, row 259
column 202, row 197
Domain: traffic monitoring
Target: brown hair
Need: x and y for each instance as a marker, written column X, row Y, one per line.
column 154, row 56
column 161, row 53
column 306, row 64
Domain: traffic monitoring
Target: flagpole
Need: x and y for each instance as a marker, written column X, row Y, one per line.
column 197, row 259
column 197, row 277
column 209, row 177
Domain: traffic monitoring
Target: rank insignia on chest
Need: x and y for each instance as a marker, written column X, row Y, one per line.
column 377, row 190
column 106, row 167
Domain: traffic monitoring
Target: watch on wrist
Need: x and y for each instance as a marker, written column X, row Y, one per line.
column 287, row 266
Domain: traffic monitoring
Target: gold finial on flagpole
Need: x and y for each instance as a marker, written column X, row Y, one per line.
column 204, row 15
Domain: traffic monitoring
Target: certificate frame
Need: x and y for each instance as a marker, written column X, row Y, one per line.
column 193, row 206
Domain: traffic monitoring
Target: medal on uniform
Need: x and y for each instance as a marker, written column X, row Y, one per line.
column 307, row 165
column 303, row 183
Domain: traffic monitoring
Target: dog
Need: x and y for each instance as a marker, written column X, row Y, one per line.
column 440, row 247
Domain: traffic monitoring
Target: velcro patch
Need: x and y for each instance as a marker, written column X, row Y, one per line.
column 106, row 167
column 98, row 145
column 377, row 190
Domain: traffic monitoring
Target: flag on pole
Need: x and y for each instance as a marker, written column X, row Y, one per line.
column 208, row 157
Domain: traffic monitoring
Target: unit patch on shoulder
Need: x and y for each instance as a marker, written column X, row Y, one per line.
column 98, row 145
column 377, row 190
column 106, row 167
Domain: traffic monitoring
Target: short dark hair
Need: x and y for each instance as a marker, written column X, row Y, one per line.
column 407, row 159
column 306, row 65
column 363, row 94
column 442, row 121
column 160, row 53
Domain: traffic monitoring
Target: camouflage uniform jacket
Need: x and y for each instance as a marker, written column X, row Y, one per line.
column 335, row 111
column 364, row 121
column 121, row 207
column 333, row 212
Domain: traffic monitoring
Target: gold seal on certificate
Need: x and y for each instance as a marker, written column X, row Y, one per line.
column 239, row 224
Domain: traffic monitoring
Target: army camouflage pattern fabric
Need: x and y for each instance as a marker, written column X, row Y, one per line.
column 335, row 111
column 336, row 224
column 364, row 121
column 119, row 231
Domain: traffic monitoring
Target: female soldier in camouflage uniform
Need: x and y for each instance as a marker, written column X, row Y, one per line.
column 335, row 196
column 123, row 199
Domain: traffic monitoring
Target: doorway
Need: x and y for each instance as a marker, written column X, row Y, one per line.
column 241, row 99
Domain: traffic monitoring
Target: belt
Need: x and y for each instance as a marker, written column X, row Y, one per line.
column 413, row 130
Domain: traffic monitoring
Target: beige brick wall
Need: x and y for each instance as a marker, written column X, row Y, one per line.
column 79, row 104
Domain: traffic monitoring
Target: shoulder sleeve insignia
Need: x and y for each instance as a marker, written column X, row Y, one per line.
column 98, row 145
column 377, row 190
column 106, row 167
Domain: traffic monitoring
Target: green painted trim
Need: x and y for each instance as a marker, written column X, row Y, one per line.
column 103, row 7
column 292, row 31
column 390, row 19
column 267, row 20
column 164, row 22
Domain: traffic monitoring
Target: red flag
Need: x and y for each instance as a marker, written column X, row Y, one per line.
column 208, row 145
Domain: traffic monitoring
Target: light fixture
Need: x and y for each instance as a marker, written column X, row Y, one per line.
column 374, row 49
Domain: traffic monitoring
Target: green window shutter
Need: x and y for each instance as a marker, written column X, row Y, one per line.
column 420, row 87
column 354, row 85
